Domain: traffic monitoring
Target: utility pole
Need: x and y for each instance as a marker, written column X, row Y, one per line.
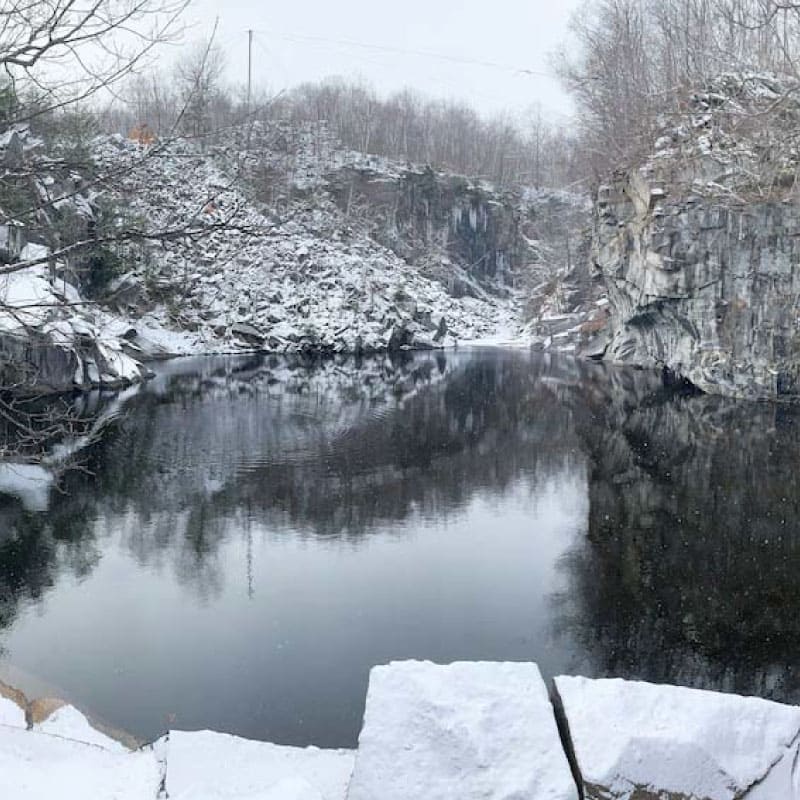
column 249, row 66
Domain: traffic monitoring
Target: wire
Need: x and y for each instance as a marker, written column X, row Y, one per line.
column 447, row 84
column 295, row 37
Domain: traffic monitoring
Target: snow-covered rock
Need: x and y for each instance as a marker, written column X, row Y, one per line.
column 635, row 741
column 465, row 730
column 215, row 766
column 52, row 340
column 39, row 766
column 69, row 723
column 12, row 715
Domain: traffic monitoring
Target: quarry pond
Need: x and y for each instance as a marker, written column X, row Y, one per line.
column 250, row 534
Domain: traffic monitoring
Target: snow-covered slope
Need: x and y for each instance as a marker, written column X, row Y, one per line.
column 298, row 275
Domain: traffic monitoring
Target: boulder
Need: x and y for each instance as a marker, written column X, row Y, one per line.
column 640, row 741
column 466, row 730
column 248, row 333
column 400, row 338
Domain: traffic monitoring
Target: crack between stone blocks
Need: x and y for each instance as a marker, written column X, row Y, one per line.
column 162, row 793
column 562, row 724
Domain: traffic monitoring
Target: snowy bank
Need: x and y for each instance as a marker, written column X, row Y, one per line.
column 467, row 730
column 296, row 273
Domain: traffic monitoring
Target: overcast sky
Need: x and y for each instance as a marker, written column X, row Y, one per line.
column 464, row 49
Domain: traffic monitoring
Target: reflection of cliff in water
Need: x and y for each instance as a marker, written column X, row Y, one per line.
column 688, row 569
column 689, row 572
column 333, row 462
column 218, row 447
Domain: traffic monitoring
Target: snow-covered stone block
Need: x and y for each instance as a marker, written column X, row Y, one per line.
column 216, row 766
column 38, row 766
column 641, row 741
column 465, row 730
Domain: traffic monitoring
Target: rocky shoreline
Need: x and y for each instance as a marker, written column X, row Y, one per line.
column 466, row 730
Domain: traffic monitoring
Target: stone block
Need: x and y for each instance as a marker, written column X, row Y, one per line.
column 465, row 730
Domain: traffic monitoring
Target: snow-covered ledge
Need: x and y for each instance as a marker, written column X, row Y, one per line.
column 465, row 731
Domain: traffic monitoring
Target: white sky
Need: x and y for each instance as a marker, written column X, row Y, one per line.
column 370, row 40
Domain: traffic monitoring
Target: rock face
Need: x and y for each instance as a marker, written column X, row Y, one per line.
column 705, row 289
column 640, row 741
column 697, row 243
column 465, row 730
column 40, row 362
column 304, row 271
column 419, row 210
column 50, row 343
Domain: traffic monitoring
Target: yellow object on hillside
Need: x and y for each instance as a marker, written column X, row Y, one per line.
column 142, row 134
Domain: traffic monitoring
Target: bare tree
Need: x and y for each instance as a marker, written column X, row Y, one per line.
column 637, row 62
column 55, row 57
column 201, row 97
column 445, row 134
column 64, row 52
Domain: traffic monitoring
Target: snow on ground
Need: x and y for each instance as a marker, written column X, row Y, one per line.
column 465, row 730
column 215, row 766
column 25, row 296
column 634, row 739
column 63, row 756
column 39, row 766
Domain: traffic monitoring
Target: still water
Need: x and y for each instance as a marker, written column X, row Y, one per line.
column 250, row 535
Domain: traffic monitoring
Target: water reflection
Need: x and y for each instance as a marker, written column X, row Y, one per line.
column 253, row 534
column 688, row 572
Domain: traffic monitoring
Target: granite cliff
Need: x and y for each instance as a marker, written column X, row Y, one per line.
column 698, row 245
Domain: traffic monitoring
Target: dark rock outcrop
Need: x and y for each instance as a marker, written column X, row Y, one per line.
column 419, row 210
column 33, row 362
column 704, row 288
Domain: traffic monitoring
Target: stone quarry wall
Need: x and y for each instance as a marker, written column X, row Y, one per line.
column 705, row 286
column 419, row 212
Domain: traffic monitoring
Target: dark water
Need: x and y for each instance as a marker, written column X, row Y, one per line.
column 255, row 534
